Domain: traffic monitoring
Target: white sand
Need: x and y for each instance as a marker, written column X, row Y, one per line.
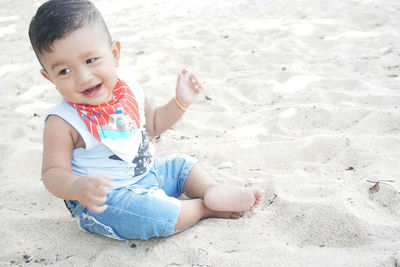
column 305, row 100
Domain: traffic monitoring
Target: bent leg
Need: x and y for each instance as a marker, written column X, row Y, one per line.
column 193, row 210
column 233, row 198
column 220, row 197
column 197, row 182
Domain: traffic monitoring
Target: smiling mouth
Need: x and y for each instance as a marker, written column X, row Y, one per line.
column 92, row 90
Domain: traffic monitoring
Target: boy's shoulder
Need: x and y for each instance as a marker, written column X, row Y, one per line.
column 66, row 115
column 59, row 130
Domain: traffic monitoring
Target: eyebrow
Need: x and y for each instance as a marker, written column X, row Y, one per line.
column 55, row 65
column 83, row 55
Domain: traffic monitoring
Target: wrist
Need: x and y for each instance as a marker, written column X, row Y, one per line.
column 73, row 188
column 181, row 105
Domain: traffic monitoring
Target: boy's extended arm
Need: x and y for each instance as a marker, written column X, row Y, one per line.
column 58, row 143
column 162, row 118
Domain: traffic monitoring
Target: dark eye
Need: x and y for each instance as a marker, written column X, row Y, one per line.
column 65, row 71
column 91, row 60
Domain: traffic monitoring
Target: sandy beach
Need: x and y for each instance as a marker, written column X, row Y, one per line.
column 302, row 98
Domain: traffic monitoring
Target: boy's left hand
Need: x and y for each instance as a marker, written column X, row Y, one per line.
column 188, row 88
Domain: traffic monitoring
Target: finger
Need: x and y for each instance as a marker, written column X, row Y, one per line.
column 189, row 75
column 193, row 78
column 197, row 90
column 195, row 83
column 96, row 200
column 105, row 181
column 102, row 191
column 257, row 203
column 105, row 177
column 198, row 86
column 98, row 209
column 108, row 186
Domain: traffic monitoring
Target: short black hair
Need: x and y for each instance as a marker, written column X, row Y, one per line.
column 57, row 18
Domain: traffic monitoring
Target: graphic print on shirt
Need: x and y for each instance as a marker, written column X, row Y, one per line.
column 142, row 162
column 119, row 126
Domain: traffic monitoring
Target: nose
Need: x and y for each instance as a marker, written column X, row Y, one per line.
column 83, row 76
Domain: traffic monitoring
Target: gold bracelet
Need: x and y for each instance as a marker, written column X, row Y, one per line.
column 180, row 105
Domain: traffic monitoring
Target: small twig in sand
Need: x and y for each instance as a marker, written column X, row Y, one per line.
column 26, row 258
column 272, row 199
column 376, row 187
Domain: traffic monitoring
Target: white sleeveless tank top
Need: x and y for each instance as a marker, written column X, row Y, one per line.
column 96, row 158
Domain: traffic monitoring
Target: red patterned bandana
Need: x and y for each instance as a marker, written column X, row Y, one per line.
column 116, row 123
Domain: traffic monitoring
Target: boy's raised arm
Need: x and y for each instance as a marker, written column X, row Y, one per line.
column 162, row 118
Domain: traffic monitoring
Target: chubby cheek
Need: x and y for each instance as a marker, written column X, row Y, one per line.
column 66, row 89
column 66, row 94
column 110, row 78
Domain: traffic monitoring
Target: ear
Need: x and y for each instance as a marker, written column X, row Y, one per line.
column 45, row 75
column 116, row 51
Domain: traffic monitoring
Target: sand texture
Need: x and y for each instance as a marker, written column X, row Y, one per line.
column 302, row 98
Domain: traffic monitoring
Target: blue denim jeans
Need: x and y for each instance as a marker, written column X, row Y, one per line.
column 148, row 208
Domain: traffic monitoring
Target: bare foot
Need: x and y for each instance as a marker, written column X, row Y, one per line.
column 258, row 194
column 232, row 198
column 193, row 210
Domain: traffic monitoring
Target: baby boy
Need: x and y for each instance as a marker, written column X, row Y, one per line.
column 95, row 148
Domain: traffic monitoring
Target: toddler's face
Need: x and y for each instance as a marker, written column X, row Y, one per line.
column 82, row 65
